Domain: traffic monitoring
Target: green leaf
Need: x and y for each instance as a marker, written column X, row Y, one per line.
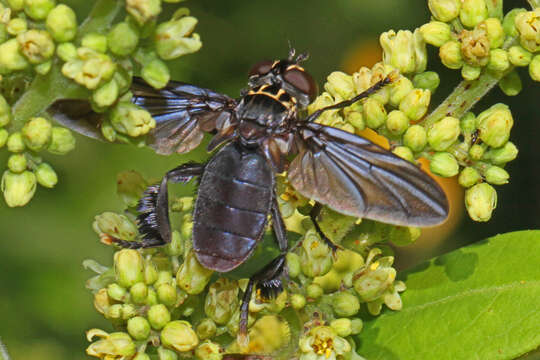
column 478, row 302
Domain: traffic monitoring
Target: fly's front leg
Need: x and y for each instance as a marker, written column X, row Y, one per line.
column 313, row 214
column 267, row 281
column 153, row 220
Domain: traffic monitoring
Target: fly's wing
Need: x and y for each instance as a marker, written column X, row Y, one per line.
column 182, row 112
column 78, row 116
column 356, row 177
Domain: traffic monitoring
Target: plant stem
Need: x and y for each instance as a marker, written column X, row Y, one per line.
column 3, row 351
column 46, row 89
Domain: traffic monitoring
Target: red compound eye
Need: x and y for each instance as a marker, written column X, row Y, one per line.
column 302, row 81
column 261, row 68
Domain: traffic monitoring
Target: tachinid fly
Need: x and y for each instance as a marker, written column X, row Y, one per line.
column 258, row 134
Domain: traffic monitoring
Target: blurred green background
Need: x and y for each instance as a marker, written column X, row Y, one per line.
column 44, row 306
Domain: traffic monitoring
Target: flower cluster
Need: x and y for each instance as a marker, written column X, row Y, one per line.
column 473, row 36
column 163, row 302
column 42, row 44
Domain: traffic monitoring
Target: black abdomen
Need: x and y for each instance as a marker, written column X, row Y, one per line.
column 232, row 207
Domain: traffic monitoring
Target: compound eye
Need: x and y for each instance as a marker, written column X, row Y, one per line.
column 302, row 81
column 261, row 68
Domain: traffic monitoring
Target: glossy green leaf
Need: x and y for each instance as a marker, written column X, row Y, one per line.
column 478, row 302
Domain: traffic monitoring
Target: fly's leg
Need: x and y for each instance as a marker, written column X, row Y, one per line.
column 267, row 281
column 153, row 220
column 313, row 214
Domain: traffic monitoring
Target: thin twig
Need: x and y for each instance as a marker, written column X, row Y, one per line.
column 3, row 351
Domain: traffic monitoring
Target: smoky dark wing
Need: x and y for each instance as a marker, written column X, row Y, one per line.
column 78, row 116
column 183, row 112
column 356, row 177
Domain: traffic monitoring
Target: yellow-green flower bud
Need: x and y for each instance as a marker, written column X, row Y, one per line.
column 16, row 5
column 166, row 354
column 209, row 351
column 509, row 22
column 468, row 123
column 404, row 235
column 38, row 9
column 528, row 26
column 469, row 72
column 138, row 327
column 106, row 95
column 345, row 304
column 102, row 301
column 176, row 38
column 151, row 299
column 404, row 153
column 90, row 68
column 502, row 155
column 18, row 189
column 11, row 57
column 192, row 277
column 315, row 256
column 139, row 293
column 116, row 292
column 475, row 47
column 469, row 177
column 111, row 346
column 156, row 73
column 128, row 267
column 36, row 45
column 15, row 142
column 37, row 133
column 444, row 164
column 115, row 225
column 511, row 84
column 450, row 54
column 129, row 119
column 141, row 356
column 495, row 32
column 128, row 311
column 498, row 60
column 179, row 335
column 444, row 133
column 298, row 301
column 356, row 325
column 164, row 277
column 340, row 85
column 415, row 138
column 428, row 80
column 62, row 141
column 342, row 326
column 534, row 68
column 66, row 51
column 374, row 113
column 16, row 26
column 222, row 300
column 17, row 163
column 5, row 112
column 143, row 10
column 166, row 294
column 123, row 39
column 473, row 12
column 3, row 137
column 495, row 124
column 314, row 291
column 43, row 68
column 176, row 246
column 415, row 104
column 436, row 33
column 293, row 264
column 150, row 272
column 206, row 329
column 480, row 201
column 518, row 56
column 476, row 152
column 62, row 23
column 496, row 175
column 397, row 122
column 399, row 89
column 95, row 41
column 445, row 10
column 405, row 51
column 158, row 316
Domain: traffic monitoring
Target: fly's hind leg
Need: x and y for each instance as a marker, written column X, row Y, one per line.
column 153, row 220
column 313, row 214
column 267, row 281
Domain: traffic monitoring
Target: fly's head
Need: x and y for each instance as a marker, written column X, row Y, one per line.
column 288, row 75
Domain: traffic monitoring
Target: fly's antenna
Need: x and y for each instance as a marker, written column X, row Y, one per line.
column 292, row 51
column 302, row 57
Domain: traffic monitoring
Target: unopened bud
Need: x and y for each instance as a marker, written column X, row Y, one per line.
column 476, row 152
column 18, row 189
column 342, row 326
column 473, row 12
column 511, row 84
column 143, row 11
column 397, row 122
column 139, row 293
column 156, row 73
column 498, row 60
column 415, row 104
column 509, row 22
column 293, row 264
column 179, row 335
column 129, row 119
column 209, row 351
column 519, row 56
column 450, row 54
column 158, row 316
column 444, row 164
column 496, row 175
column 374, row 113
column 16, row 5
column 314, row 291
column 444, row 133
column 128, row 267
column 123, row 39
column 3, row 137
column 345, row 304
column 38, row 9
column 106, row 95
column 116, row 225
column 428, row 80
column 206, row 329
column 166, row 354
column 11, row 57
column 138, row 327
column 502, row 155
column 116, row 292
column 5, row 112
column 399, row 89
column 15, row 142
column 36, row 45
column 470, row 72
column 142, row 356
column 340, row 85
column 62, row 23
column 528, row 26
column 436, row 33
column 469, row 177
column 415, row 138
column 16, row 26
column 404, row 153
column 192, row 277
column 62, row 141
column 37, row 133
column 166, row 294
column 298, row 301
column 404, row 235
column 95, row 41
column 445, row 10
column 66, row 51
column 534, row 68
column 176, row 38
column 480, row 201
column 17, row 163
column 495, row 124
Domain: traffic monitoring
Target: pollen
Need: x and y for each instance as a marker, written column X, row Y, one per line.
column 374, row 266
